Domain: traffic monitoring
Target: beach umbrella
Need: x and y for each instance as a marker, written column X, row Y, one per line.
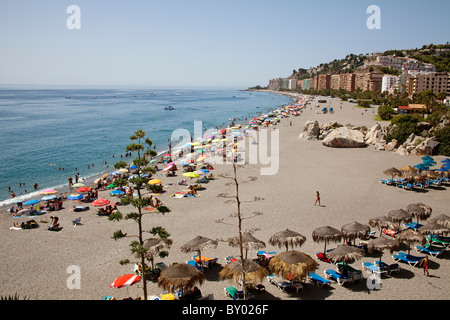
column 421, row 166
column 353, row 230
column 433, row 229
column 78, row 185
column 410, row 236
column 198, row 244
column 249, row 242
column 110, row 186
column 392, row 172
column 381, row 222
column 47, row 198
column 154, row 181
column 441, row 219
column 286, row 238
column 380, row 244
column 326, row 234
column 83, row 189
column 23, row 211
column 292, row 265
column 253, row 272
column 419, row 210
column 427, row 158
column 180, row 276
column 399, row 215
column 346, row 254
column 125, row 280
column 75, row 197
column 31, row 202
column 191, row 175
column 408, row 169
column 100, row 202
column 116, row 193
column 154, row 246
column 48, row 191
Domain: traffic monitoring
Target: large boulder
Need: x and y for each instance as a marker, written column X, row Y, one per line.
column 344, row 138
column 311, row 130
column 373, row 135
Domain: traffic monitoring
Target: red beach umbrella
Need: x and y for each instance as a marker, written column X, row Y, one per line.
column 83, row 189
column 125, row 280
column 100, row 202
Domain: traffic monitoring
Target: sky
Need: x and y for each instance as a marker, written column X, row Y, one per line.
column 197, row 43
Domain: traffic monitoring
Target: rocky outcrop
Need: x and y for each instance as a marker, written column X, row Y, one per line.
column 344, row 137
column 311, row 130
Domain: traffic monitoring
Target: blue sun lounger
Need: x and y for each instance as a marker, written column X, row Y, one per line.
column 390, row 268
column 195, row 264
column 373, row 269
column 430, row 251
column 318, row 280
column 407, row 258
column 413, row 225
column 339, row 278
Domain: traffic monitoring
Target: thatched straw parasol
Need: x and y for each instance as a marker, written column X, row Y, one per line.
column 254, row 273
column 441, row 219
column 326, row 234
column 353, row 230
column 249, row 242
column 399, row 215
column 293, row 264
column 380, row 244
column 433, row 229
column 419, row 210
column 180, row 276
column 286, row 238
column 154, row 246
column 408, row 169
column 381, row 222
column 392, row 172
column 410, row 236
column 198, row 244
column 346, row 253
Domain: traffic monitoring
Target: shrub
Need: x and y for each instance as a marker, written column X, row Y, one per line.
column 386, row 112
column 404, row 126
column 443, row 137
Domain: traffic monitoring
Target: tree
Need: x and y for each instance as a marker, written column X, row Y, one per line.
column 386, row 112
column 141, row 161
column 443, row 136
column 239, row 215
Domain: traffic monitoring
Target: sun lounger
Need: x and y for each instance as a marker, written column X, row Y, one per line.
column 195, row 264
column 206, row 262
column 385, row 182
column 390, row 268
column 413, row 225
column 430, row 251
column 439, row 240
column 234, row 293
column 348, row 269
column 318, row 280
column 369, row 267
column 280, row 283
column 230, row 259
column 321, row 256
column 336, row 276
column 409, row 259
column 407, row 186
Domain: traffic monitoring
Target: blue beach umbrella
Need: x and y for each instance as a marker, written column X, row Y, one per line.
column 75, row 197
column 204, row 170
column 446, row 160
column 116, row 192
column 31, row 202
column 421, row 166
column 444, row 169
column 427, row 158
column 47, row 198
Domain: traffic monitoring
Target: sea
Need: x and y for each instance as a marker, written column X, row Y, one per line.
column 48, row 135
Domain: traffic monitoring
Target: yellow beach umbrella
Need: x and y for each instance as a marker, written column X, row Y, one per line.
column 154, row 181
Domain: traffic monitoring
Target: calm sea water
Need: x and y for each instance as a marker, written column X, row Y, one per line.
column 44, row 131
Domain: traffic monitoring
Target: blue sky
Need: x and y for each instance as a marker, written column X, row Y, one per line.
column 196, row 43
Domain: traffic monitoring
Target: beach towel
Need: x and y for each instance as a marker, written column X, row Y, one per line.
column 15, row 228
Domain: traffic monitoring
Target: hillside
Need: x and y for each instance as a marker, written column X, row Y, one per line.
column 438, row 55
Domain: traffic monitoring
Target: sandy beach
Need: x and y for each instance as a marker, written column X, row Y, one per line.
column 36, row 263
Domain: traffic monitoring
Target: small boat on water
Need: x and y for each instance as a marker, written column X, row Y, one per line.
column 169, row 108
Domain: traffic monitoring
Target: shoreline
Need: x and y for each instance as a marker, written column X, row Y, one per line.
column 346, row 178
column 88, row 180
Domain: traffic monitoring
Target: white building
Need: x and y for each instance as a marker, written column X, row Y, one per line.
column 388, row 82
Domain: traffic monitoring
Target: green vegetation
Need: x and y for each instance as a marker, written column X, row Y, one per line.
column 386, row 112
column 443, row 136
column 140, row 202
column 403, row 126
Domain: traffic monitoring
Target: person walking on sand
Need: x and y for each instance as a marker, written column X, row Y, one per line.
column 317, row 198
column 425, row 263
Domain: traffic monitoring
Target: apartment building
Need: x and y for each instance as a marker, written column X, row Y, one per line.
column 436, row 82
column 335, row 81
column 368, row 81
column 322, row 81
column 347, row 81
column 389, row 82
